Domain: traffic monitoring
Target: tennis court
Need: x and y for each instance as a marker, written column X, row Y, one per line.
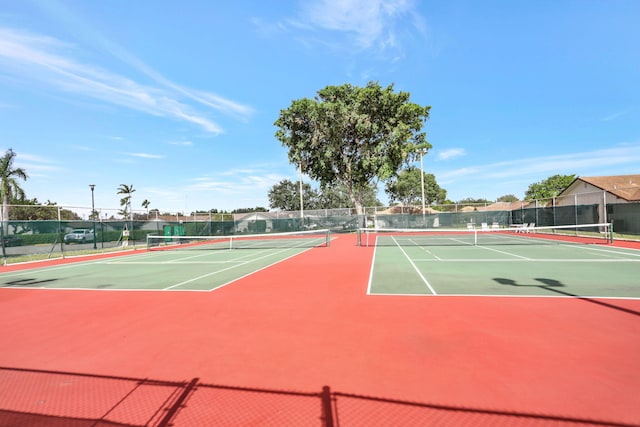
column 327, row 331
column 179, row 263
column 501, row 263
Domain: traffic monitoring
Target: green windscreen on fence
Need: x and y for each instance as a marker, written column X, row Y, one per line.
column 557, row 215
column 625, row 217
column 26, row 240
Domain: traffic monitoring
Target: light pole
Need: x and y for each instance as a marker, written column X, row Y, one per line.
column 422, row 154
column 93, row 213
column 301, row 196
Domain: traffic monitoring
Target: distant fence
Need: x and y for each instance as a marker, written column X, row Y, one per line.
column 51, row 398
column 27, row 236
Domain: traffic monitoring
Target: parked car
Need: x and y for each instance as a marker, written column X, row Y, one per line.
column 11, row 240
column 79, row 235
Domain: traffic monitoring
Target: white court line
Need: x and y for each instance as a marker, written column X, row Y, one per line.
column 598, row 260
column 146, row 254
column 487, row 248
column 231, row 261
column 506, row 253
column 424, row 279
column 506, row 296
column 633, row 252
column 238, row 265
column 373, row 261
column 48, row 269
column 423, row 248
column 179, row 261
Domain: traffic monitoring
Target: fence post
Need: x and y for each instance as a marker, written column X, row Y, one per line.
column 178, row 404
column 327, row 409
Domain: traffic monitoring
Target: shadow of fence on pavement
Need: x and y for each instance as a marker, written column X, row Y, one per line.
column 36, row 398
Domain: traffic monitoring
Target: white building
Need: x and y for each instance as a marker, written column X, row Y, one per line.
column 603, row 191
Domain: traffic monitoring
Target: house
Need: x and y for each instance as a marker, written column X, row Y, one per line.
column 609, row 193
column 611, row 189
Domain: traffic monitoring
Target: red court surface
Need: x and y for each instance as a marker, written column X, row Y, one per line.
column 308, row 323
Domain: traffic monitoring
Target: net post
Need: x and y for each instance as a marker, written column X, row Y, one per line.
column 328, row 237
column 611, row 232
column 475, row 237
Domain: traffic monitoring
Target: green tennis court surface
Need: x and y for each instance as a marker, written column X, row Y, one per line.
column 453, row 266
column 200, row 270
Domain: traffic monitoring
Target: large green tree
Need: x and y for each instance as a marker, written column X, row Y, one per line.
column 548, row 188
column 337, row 196
column 285, row 196
column 9, row 186
column 353, row 136
column 406, row 188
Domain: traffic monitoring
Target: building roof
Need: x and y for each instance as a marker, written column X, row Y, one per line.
column 626, row 187
column 508, row 206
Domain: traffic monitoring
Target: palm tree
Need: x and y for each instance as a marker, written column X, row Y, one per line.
column 127, row 190
column 9, row 187
column 145, row 204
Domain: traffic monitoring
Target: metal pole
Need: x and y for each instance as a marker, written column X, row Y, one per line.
column 60, row 233
column 301, row 198
column 93, row 215
column 422, row 185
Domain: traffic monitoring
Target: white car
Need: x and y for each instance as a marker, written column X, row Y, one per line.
column 79, row 235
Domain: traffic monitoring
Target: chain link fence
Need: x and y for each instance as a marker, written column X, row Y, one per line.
column 60, row 399
column 43, row 232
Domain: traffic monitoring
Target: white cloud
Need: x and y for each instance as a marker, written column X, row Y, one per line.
column 369, row 24
column 616, row 115
column 256, row 181
column 579, row 163
column 451, row 153
column 35, row 165
column 49, row 62
column 146, row 155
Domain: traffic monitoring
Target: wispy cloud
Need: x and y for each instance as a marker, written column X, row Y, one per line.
column 451, row 153
column 616, row 115
column 146, row 155
column 35, row 165
column 237, row 181
column 181, row 143
column 371, row 22
column 365, row 24
column 205, row 98
column 48, row 62
column 579, row 163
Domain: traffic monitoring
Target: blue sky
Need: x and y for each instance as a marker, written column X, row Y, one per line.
column 178, row 99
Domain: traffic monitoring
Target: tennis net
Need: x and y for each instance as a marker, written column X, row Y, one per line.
column 472, row 236
column 296, row 239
